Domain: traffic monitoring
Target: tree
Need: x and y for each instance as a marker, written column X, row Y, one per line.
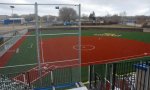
column 115, row 18
column 141, row 19
column 123, row 15
column 48, row 18
column 84, row 16
column 92, row 16
column 15, row 16
column 67, row 14
column 29, row 17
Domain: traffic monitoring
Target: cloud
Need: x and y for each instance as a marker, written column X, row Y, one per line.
column 100, row 7
column 143, row 11
column 132, row 7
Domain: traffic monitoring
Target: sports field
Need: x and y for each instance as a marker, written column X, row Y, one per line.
column 59, row 51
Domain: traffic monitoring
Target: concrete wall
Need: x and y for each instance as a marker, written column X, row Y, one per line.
column 146, row 29
column 91, row 28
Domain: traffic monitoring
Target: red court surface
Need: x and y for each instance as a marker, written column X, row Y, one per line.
column 63, row 52
column 95, row 50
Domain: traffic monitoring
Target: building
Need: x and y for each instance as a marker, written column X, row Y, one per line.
column 3, row 17
column 14, row 20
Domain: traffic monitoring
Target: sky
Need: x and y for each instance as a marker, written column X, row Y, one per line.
column 100, row 7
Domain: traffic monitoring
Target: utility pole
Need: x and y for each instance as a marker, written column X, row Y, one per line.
column 12, row 8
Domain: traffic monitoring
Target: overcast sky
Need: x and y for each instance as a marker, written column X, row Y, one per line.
column 100, row 7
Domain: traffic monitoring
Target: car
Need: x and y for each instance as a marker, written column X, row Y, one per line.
column 70, row 23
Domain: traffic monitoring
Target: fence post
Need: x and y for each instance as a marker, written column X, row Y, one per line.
column 89, row 74
column 147, row 77
column 28, row 79
column 91, row 70
column 37, row 42
column 113, row 76
column 105, row 78
column 52, row 80
column 79, row 39
column 96, row 80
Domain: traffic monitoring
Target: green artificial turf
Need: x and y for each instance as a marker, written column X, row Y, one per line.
column 27, row 55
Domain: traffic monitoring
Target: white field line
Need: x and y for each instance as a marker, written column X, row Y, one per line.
column 69, row 65
column 19, row 65
column 58, row 34
column 18, row 36
column 84, row 47
column 17, row 50
column 30, row 46
column 3, row 52
column 56, row 68
column 44, row 34
column 27, row 71
column 61, row 61
column 37, row 63
column 5, row 42
column 45, row 73
column 11, row 50
column 13, row 36
column 46, row 63
column 45, row 67
column 19, row 81
column 52, row 63
column 121, row 59
column 130, row 57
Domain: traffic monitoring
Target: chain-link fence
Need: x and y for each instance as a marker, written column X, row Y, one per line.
column 124, row 75
column 36, row 48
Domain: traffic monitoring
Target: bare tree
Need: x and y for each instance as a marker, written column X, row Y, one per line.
column 15, row 16
column 67, row 14
column 84, row 16
column 29, row 17
column 123, row 15
column 115, row 18
column 48, row 18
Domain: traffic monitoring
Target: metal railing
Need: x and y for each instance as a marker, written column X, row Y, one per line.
column 10, row 39
column 38, row 78
column 124, row 75
column 55, row 78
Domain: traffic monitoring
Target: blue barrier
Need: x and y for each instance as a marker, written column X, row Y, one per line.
column 57, row 86
column 141, row 66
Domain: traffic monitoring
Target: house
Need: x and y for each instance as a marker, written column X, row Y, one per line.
column 3, row 17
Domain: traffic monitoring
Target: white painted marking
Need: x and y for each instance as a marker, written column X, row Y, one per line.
column 17, row 50
column 84, row 47
column 99, row 38
column 31, row 45
column 145, row 53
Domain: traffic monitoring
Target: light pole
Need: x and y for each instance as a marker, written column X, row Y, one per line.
column 12, row 7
